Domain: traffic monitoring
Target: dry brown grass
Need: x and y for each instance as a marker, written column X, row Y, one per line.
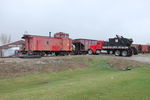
column 16, row 67
column 12, row 67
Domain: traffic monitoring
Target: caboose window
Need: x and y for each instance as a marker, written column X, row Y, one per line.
column 67, row 36
column 47, row 42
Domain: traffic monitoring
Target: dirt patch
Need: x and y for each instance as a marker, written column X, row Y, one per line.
column 17, row 67
column 125, row 64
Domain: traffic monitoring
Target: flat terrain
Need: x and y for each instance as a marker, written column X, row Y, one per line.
column 75, row 78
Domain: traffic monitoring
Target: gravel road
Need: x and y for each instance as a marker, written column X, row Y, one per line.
column 144, row 59
column 140, row 59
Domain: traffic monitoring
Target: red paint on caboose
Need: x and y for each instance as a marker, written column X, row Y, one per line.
column 60, row 42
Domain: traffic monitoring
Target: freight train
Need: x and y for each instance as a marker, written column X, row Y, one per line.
column 61, row 44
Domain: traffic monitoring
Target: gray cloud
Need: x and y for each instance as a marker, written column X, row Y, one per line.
column 95, row 19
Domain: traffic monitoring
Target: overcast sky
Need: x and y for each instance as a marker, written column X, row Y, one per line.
column 93, row 19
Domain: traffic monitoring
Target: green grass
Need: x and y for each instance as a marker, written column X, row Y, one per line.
column 96, row 82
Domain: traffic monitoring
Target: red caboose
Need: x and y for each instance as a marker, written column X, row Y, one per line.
column 59, row 44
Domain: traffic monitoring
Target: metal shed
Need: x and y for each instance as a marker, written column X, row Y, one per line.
column 10, row 49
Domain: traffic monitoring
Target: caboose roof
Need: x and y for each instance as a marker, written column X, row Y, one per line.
column 27, row 35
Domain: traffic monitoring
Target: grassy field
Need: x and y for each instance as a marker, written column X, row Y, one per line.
column 96, row 82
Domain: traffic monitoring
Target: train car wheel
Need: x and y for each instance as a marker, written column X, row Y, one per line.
column 124, row 53
column 90, row 52
column 117, row 53
column 53, row 54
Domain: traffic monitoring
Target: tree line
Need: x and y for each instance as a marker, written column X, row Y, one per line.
column 5, row 38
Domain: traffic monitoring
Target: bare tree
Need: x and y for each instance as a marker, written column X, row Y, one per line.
column 4, row 38
column 26, row 32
